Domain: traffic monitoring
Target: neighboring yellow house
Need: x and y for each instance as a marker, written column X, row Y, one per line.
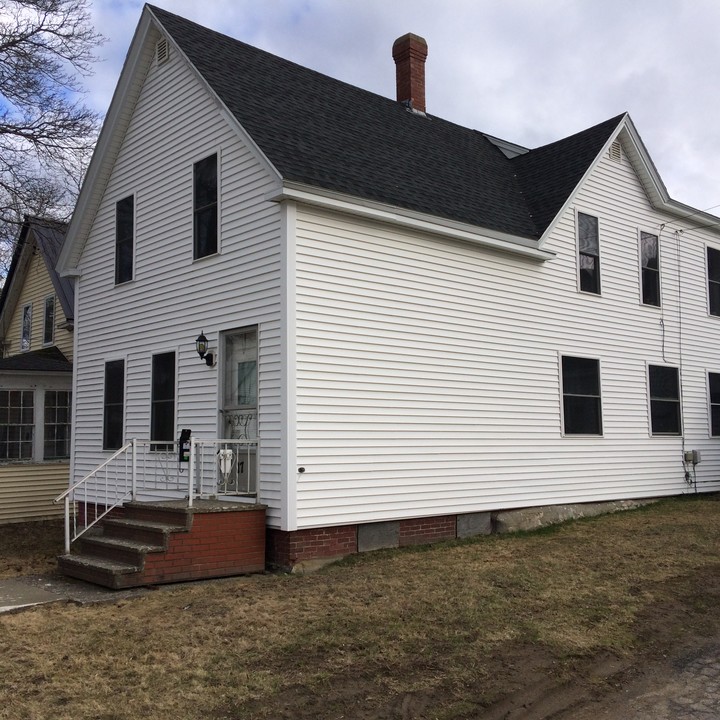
column 36, row 336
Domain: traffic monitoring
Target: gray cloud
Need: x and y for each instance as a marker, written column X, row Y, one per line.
column 528, row 71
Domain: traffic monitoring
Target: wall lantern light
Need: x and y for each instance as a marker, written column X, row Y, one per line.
column 201, row 345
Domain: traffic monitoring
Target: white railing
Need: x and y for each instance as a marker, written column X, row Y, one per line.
column 152, row 469
column 225, row 467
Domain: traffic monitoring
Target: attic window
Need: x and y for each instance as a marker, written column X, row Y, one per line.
column 161, row 51
column 616, row 152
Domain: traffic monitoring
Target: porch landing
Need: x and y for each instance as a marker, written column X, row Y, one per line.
column 149, row 543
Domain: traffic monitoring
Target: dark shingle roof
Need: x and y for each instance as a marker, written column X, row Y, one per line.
column 550, row 173
column 46, row 360
column 49, row 236
column 328, row 134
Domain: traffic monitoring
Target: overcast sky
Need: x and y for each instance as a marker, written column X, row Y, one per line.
column 528, row 71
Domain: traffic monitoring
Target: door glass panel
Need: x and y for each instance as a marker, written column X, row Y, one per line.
column 240, row 407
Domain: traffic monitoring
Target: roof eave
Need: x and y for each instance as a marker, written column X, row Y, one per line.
column 350, row 204
column 111, row 135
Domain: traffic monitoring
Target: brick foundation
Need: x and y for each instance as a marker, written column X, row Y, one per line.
column 287, row 549
column 422, row 531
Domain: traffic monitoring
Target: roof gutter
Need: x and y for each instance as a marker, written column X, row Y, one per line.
column 328, row 200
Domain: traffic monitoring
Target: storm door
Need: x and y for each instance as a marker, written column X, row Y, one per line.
column 239, row 412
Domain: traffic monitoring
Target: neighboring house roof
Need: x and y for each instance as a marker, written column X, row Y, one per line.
column 46, row 360
column 316, row 132
column 48, row 237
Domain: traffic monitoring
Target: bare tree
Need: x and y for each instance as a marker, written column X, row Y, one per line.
column 46, row 132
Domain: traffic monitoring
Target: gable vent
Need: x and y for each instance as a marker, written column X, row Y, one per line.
column 162, row 51
column 616, row 151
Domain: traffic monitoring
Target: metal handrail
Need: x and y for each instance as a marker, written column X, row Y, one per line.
column 117, row 454
column 66, row 495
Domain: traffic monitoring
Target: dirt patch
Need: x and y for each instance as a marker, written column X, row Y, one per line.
column 30, row 548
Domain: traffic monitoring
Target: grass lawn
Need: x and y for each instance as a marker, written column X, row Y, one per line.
column 445, row 632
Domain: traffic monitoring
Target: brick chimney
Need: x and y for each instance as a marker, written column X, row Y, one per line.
column 409, row 53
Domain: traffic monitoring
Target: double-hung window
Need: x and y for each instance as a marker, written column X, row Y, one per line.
column 162, row 416
column 57, row 424
column 664, row 386
column 124, row 239
column 205, row 207
column 713, row 273
column 114, row 405
column 588, row 253
column 582, row 411
column 714, row 393
column 49, row 320
column 17, row 424
column 26, row 328
column 650, row 268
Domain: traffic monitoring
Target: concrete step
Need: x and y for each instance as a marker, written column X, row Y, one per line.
column 170, row 513
column 100, row 571
column 118, row 549
column 151, row 532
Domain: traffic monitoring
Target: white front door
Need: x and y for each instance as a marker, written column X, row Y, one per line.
column 239, row 411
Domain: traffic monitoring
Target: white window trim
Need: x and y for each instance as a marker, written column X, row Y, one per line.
column 579, row 211
column 105, row 360
column 219, row 204
column 570, row 353
column 640, row 231
column 709, row 402
column 651, row 434
column 707, row 279
column 134, row 196
column 52, row 329
column 176, row 350
column 27, row 306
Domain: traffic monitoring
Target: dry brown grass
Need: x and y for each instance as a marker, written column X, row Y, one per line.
column 420, row 633
column 30, row 548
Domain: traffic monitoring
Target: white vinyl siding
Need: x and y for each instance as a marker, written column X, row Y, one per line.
column 173, row 298
column 428, row 380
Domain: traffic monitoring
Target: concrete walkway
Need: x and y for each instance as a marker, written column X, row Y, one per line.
column 25, row 592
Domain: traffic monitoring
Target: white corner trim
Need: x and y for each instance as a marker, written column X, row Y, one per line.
column 288, row 510
column 407, row 218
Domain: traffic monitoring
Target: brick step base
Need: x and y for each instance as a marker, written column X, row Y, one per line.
column 153, row 543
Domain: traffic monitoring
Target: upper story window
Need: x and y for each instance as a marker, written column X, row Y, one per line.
column 124, row 239
column 49, row 320
column 664, row 385
column 26, row 329
column 588, row 253
column 713, row 272
column 114, row 405
column 650, row 268
column 714, row 393
column 582, row 411
column 205, row 211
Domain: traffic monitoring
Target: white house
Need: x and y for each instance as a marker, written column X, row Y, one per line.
column 417, row 322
